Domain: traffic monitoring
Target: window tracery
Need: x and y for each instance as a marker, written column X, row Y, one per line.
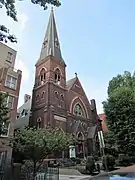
column 78, row 110
column 80, row 136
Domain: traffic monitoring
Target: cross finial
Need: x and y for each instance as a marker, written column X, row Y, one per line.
column 76, row 74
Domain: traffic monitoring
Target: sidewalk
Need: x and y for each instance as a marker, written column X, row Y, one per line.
column 69, row 177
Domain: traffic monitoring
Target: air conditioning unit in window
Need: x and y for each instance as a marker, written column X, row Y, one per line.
column 42, row 82
column 12, row 86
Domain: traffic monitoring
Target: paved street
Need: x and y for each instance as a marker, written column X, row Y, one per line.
column 125, row 171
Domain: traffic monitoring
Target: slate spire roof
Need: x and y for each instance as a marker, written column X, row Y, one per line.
column 51, row 45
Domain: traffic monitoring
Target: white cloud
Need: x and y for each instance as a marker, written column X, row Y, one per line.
column 22, row 19
column 25, row 73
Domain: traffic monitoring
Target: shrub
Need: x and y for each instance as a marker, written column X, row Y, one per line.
column 123, row 160
column 81, row 169
column 121, row 157
column 83, row 162
column 66, row 162
column 96, row 158
column 78, row 161
column 90, row 164
column 132, row 159
column 108, row 161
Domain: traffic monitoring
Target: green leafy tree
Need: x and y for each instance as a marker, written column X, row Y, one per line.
column 9, row 5
column 3, row 111
column 119, row 109
column 37, row 144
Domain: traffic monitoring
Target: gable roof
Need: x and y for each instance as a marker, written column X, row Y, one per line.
column 26, row 105
column 70, row 82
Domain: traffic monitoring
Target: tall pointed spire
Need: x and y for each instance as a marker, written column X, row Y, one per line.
column 51, row 44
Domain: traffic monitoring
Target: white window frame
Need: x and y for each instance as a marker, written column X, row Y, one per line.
column 7, row 132
column 10, row 83
column 9, row 57
column 12, row 101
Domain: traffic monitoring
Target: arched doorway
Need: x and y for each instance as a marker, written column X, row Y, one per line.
column 80, row 145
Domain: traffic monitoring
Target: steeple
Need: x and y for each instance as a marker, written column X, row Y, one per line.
column 51, row 44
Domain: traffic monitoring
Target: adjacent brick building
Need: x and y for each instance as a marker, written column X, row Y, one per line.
column 57, row 102
column 103, row 122
column 10, row 80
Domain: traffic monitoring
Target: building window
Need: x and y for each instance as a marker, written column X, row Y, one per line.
column 80, row 136
column 56, row 94
column 78, row 110
column 62, row 97
column 9, row 57
column 37, row 97
column 42, row 75
column 57, row 76
column 39, row 122
column 43, row 94
column 45, row 43
column 11, row 82
column 24, row 112
column 4, row 130
column 10, row 102
column 57, row 43
column 18, row 115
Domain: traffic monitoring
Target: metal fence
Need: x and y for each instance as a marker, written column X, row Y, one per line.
column 2, row 163
column 50, row 174
column 46, row 173
column 1, row 175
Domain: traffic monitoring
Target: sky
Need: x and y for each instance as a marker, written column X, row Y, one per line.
column 97, row 39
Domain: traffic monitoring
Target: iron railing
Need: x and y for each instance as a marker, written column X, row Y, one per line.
column 46, row 173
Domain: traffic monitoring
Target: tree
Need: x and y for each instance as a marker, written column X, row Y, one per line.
column 119, row 109
column 3, row 111
column 120, row 81
column 11, row 11
column 37, row 144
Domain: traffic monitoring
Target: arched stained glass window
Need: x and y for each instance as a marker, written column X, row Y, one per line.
column 78, row 110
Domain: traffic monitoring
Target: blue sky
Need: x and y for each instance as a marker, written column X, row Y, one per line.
column 97, row 41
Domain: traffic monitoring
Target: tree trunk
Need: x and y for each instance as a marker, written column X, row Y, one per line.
column 34, row 169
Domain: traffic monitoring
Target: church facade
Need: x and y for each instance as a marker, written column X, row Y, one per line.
column 57, row 102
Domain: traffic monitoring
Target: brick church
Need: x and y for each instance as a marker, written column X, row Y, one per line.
column 57, row 102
